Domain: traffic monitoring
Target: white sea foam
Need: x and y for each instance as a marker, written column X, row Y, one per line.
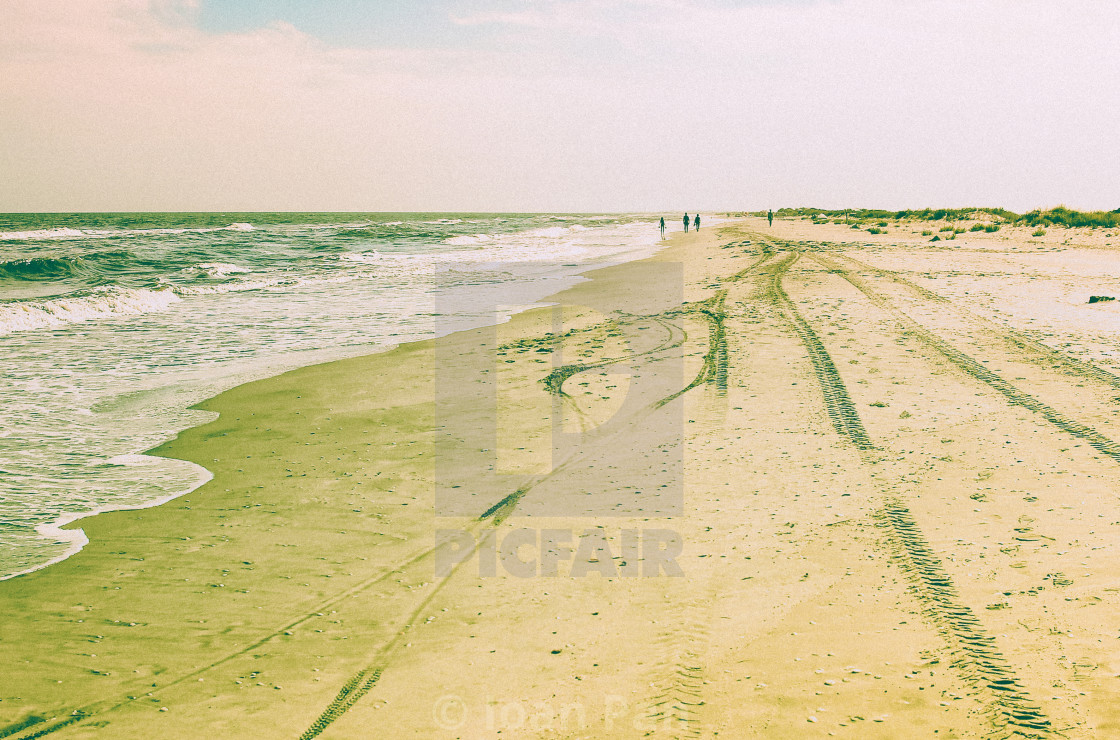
column 42, row 234
column 101, row 303
column 277, row 283
column 66, row 233
column 237, row 287
column 220, row 269
column 466, row 241
column 130, row 461
column 550, row 231
column 367, row 258
column 333, row 226
column 76, row 539
column 149, row 232
column 114, row 301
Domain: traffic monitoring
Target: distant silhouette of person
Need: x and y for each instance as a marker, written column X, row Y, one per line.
column 770, row 217
column 662, row 227
column 696, row 222
column 686, row 222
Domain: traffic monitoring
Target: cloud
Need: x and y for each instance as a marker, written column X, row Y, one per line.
column 535, row 19
column 572, row 104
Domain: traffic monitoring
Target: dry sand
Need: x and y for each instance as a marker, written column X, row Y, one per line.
column 889, row 466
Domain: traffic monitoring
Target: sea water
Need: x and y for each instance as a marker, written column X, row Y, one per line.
column 112, row 325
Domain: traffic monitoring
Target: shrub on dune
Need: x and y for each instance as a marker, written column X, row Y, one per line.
column 1062, row 216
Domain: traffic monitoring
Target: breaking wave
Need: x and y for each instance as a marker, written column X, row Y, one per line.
column 66, row 233
column 98, row 304
column 220, row 269
column 41, row 234
column 60, row 267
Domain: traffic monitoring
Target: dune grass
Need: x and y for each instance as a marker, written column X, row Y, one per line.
column 1062, row 216
column 989, row 219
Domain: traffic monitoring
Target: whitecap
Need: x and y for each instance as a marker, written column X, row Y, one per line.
column 240, row 227
column 42, row 234
column 236, row 287
column 220, row 269
column 102, row 303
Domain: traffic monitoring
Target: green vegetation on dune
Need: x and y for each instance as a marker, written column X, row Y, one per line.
column 871, row 214
column 1062, row 216
column 991, row 218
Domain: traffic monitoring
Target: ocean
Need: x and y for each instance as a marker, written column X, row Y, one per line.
column 112, row 325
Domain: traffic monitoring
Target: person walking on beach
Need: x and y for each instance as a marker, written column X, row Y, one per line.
column 662, row 227
column 696, row 223
column 770, row 217
column 686, row 222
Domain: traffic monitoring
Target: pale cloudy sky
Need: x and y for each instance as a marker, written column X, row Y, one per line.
column 557, row 105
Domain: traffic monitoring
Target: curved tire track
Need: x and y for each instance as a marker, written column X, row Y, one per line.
column 715, row 366
column 364, row 680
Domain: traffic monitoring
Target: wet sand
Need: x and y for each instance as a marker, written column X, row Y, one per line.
column 786, row 482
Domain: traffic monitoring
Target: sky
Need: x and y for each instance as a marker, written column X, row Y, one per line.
column 557, row 105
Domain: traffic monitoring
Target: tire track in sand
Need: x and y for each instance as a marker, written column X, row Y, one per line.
column 715, row 371
column 33, row 725
column 674, row 710
column 1038, row 351
column 838, row 403
column 975, row 654
column 976, row 369
column 715, row 364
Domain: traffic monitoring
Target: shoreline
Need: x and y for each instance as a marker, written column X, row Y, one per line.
column 39, row 591
column 59, row 528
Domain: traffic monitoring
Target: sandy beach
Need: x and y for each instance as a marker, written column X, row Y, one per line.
column 794, row 481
